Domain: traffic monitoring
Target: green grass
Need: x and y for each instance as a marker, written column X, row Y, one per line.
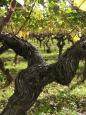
column 55, row 99
column 58, row 100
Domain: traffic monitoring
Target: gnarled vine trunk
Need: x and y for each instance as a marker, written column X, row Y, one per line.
column 31, row 81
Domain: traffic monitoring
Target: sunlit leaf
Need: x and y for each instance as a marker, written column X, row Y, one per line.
column 81, row 4
column 76, row 38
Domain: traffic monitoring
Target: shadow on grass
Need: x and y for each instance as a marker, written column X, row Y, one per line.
column 62, row 104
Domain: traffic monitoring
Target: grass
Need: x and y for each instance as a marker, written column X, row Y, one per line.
column 59, row 100
column 55, row 99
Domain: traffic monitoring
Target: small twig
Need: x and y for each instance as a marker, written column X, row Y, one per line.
column 28, row 18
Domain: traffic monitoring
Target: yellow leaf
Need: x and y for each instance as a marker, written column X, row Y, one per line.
column 76, row 38
column 81, row 4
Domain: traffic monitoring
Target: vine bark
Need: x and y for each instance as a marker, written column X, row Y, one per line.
column 31, row 81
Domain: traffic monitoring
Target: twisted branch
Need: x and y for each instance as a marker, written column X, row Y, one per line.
column 22, row 48
column 31, row 81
